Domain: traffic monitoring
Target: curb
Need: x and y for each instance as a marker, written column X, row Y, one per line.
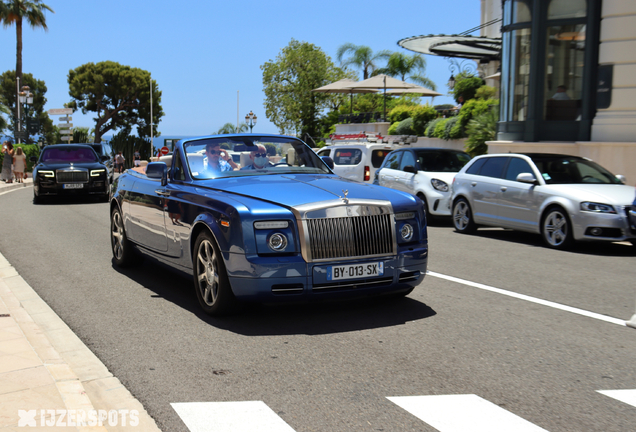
column 81, row 379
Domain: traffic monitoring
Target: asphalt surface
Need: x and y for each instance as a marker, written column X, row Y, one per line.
column 331, row 367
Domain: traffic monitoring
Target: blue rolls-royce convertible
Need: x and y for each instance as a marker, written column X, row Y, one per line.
column 276, row 226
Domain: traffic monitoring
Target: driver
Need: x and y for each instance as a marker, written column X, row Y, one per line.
column 259, row 159
column 218, row 160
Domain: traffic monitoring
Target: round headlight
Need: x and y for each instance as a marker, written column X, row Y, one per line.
column 407, row 232
column 277, row 242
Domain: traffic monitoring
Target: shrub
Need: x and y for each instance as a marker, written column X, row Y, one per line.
column 392, row 128
column 466, row 86
column 439, row 128
column 448, row 126
column 470, row 110
column 405, row 127
column 481, row 129
column 421, row 117
column 401, row 112
column 430, row 127
column 485, row 92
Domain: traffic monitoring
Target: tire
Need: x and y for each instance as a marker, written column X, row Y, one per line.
column 123, row 251
column 556, row 229
column 211, row 283
column 463, row 217
column 36, row 199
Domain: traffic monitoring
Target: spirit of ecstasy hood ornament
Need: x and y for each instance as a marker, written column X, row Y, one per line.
column 344, row 198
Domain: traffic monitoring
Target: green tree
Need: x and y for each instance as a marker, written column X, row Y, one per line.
column 4, row 109
column 287, row 83
column 361, row 56
column 230, row 128
column 82, row 135
column 118, row 94
column 14, row 12
column 35, row 112
column 405, row 66
column 466, row 86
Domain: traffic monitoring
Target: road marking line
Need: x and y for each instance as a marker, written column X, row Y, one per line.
column 627, row 396
column 245, row 416
column 531, row 299
column 460, row 413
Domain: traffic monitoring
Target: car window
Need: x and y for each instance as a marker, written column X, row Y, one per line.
column 476, row 166
column 60, row 153
column 378, row 156
column 570, row 169
column 516, row 167
column 324, row 152
column 392, row 161
column 347, row 156
column 437, row 160
column 493, row 167
column 407, row 159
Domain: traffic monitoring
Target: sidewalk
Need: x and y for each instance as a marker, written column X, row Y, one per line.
column 50, row 380
column 10, row 186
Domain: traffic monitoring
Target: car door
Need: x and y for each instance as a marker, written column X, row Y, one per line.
column 146, row 224
column 347, row 163
column 485, row 190
column 405, row 180
column 519, row 203
column 390, row 168
column 178, row 216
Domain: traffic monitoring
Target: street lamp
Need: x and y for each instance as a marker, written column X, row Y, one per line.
column 26, row 98
column 250, row 119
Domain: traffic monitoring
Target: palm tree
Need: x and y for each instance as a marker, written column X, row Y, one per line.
column 361, row 56
column 14, row 12
column 230, row 128
column 400, row 65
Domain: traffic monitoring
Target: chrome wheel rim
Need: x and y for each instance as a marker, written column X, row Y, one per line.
column 555, row 228
column 117, row 236
column 461, row 215
column 207, row 273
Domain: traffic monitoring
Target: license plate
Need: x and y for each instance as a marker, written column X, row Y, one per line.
column 72, row 186
column 355, row 271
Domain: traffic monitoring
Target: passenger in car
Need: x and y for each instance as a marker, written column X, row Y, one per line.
column 259, row 159
column 218, row 160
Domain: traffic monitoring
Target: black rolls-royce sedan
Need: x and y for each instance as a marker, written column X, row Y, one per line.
column 70, row 169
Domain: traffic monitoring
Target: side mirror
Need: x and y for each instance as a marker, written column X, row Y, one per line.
column 327, row 160
column 527, row 178
column 33, row 159
column 621, row 178
column 105, row 158
column 410, row 169
column 158, row 170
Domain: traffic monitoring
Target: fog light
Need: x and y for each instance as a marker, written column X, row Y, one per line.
column 406, row 232
column 277, row 242
column 596, row 231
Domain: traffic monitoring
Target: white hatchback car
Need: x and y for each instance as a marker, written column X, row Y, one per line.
column 563, row 198
column 357, row 161
column 424, row 172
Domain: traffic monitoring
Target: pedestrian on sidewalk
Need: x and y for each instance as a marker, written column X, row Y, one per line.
column 19, row 164
column 120, row 159
column 137, row 157
column 7, row 162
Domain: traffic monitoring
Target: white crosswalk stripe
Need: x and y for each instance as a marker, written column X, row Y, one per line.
column 459, row 413
column 627, row 396
column 247, row 416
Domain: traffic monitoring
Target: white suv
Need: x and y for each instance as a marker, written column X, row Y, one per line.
column 425, row 172
column 356, row 161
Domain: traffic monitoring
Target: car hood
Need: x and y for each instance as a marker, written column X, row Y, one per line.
column 616, row 194
column 292, row 190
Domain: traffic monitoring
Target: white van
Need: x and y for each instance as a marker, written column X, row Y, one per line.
column 356, row 160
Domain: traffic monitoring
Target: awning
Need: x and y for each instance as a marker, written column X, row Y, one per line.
column 469, row 47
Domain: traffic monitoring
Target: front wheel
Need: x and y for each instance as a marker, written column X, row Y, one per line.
column 463, row 217
column 123, row 252
column 556, row 229
column 211, row 283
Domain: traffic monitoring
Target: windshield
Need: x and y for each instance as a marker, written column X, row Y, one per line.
column 68, row 154
column 570, row 170
column 237, row 156
column 441, row 160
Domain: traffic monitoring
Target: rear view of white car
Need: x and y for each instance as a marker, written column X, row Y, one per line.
column 357, row 161
column 424, row 172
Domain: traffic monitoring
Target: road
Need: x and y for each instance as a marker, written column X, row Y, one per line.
column 333, row 367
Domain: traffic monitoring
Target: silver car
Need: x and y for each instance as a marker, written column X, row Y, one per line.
column 563, row 198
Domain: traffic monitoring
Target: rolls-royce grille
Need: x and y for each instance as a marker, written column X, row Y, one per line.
column 72, row 176
column 346, row 237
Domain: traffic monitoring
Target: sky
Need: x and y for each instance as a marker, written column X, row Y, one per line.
column 206, row 55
